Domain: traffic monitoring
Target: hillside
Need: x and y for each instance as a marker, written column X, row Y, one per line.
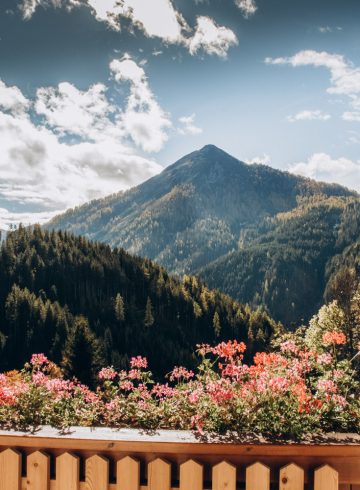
column 201, row 213
column 86, row 306
column 288, row 262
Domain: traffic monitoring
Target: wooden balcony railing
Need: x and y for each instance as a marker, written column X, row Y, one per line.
column 105, row 459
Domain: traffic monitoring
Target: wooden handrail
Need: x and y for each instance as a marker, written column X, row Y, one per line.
column 166, row 460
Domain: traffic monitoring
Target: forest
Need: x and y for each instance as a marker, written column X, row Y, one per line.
column 86, row 305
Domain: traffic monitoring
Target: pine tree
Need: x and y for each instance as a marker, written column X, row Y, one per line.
column 82, row 356
column 119, row 308
column 149, row 316
column 216, row 324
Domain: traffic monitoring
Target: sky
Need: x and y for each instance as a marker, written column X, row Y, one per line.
column 97, row 96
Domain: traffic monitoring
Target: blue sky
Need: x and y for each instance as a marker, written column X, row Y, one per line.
column 98, row 95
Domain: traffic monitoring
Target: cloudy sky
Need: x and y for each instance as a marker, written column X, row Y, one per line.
column 99, row 95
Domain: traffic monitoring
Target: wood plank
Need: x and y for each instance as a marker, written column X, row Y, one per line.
column 128, row 474
column 67, row 472
column 99, row 439
column 159, row 475
column 10, row 470
column 191, row 475
column 291, row 478
column 38, row 471
column 97, row 473
column 326, row 478
column 224, row 476
column 257, row 477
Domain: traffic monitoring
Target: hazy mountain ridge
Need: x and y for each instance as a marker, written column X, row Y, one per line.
column 212, row 214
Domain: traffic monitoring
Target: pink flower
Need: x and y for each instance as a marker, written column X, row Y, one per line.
column 289, row 346
column 180, row 372
column 324, row 359
column 327, row 386
column 339, row 400
column 163, row 391
column 107, row 373
column 126, row 385
column 134, row 374
column 139, row 362
column 39, row 360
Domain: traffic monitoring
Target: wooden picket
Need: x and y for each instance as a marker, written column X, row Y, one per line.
column 291, row 478
column 128, row 474
column 326, row 478
column 38, row 471
column 224, row 477
column 257, row 477
column 67, row 472
column 177, row 466
column 10, row 470
column 191, row 476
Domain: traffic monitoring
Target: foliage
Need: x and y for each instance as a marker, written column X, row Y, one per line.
column 291, row 393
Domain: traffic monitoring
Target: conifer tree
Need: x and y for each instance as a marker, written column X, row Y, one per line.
column 119, row 308
column 149, row 316
column 216, row 324
column 82, row 356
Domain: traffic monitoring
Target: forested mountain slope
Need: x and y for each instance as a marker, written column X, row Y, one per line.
column 194, row 211
column 288, row 261
column 264, row 236
column 86, row 305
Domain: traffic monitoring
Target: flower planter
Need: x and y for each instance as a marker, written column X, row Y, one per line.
column 107, row 459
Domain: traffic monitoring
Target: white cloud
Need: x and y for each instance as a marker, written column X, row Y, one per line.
column 78, row 149
column 211, row 38
column 188, row 125
column 157, row 19
column 143, row 120
column 12, row 99
column 323, row 167
column 28, row 7
column 263, row 160
column 351, row 116
column 309, row 115
column 344, row 77
column 8, row 218
column 166, row 24
column 247, row 7
column 328, row 29
column 69, row 110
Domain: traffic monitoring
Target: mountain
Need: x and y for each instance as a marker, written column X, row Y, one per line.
column 87, row 306
column 200, row 216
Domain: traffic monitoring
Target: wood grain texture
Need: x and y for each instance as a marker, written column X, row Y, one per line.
column 97, row 473
column 67, row 472
column 127, row 474
column 10, row 470
column 191, row 476
column 326, row 478
column 159, row 475
column 257, row 477
column 224, row 476
column 291, row 477
column 38, row 471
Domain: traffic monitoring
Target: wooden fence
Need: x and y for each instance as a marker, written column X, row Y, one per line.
column 103, row 459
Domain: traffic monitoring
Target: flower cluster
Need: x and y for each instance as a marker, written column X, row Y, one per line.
column 284, row 394
column 336, row 338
